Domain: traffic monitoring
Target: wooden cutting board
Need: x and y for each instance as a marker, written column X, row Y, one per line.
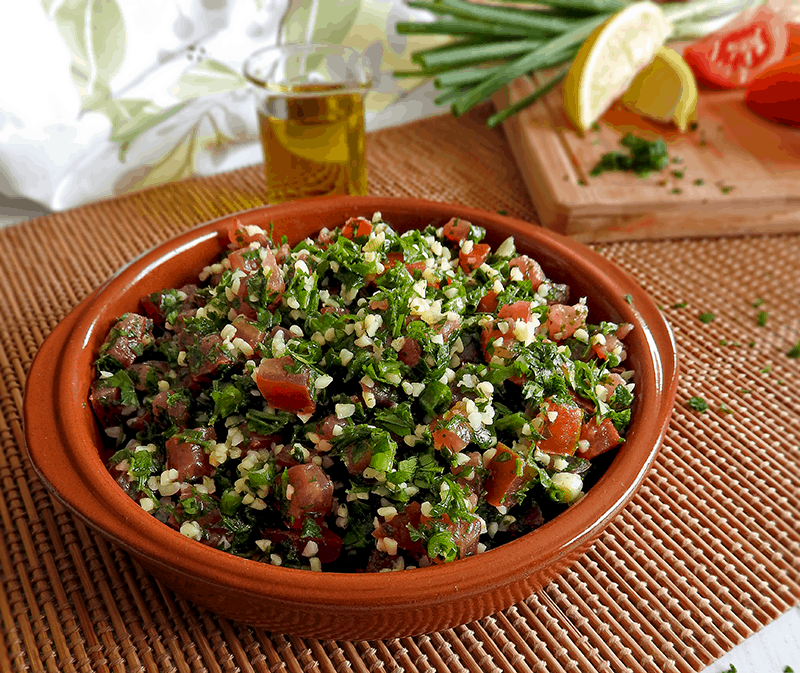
column 738, row 173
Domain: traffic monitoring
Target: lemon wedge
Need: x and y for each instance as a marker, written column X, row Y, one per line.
column 610, row 59
column 665, row 90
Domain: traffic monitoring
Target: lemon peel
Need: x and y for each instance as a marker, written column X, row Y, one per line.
column 666, row 90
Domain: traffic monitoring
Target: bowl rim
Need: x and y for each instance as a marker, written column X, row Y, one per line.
column 108, row 509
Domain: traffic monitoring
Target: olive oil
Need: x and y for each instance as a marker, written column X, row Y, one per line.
column 313, row 143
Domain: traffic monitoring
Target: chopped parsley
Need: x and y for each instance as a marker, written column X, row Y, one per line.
column 758, row 302
column 642, row 158
column 698, row 404
column 706, row 318
column 725, row 409
column 628, row 298
column 680, row 304
column 794, row 351
column 699, row 182
column 762, row 318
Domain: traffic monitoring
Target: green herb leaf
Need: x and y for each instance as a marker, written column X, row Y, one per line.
column 706, row 318
column 698, row 404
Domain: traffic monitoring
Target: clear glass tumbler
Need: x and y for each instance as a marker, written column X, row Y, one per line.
column 311, row 119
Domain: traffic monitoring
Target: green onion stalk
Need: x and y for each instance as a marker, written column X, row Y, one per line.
column 494, row 44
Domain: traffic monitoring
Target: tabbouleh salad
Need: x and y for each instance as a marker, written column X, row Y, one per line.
column 364, row 401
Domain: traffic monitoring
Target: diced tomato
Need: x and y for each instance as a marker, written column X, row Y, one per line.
column 357, row 458
column 563, row 321
column 507, row 474
column 530, row 268
column 488, row 303
column 212, row 356
column 272, row 271
column 775, row 93
column 309, row 492
column 452, row 430
column 285, row 390
column 248, row 264
column 614, row 381
column 106, row 404
column 176, row 412
column 140, row 371
column 379, row 304
column 128, row 338
column 519, row 310
column 241, row 236
column 325, row 428
column 561, row 434
column 410, row 352
column 397, row 528
column 491, row 347
column 447, row 327
column 737, row 54
column 465, row 535
column 356, row 227
column 393, row 258
column 456, row 230
column 602, row 350
column 601, row 437
column 469, row 476
column 329, row 544
column 471, row 260
column 186, row 454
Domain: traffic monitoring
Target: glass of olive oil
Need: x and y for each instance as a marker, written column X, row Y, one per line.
column 311, row 119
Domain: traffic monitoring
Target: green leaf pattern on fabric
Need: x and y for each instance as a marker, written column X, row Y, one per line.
column 209, row 76
column 94, row 32
column 319, row 21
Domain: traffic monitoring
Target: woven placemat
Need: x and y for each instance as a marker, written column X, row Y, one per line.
column 705, row 555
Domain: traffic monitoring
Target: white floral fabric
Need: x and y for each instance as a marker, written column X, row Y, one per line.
column 101, row 97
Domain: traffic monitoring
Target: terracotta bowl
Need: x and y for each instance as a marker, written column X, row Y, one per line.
column 64, row 445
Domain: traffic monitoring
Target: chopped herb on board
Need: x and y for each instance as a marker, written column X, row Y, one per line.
column 643, row 157
column 698, row 404
column 676, row 190
column 680, row 304
column 762, row 318
column 706, row 318
column 725, row 409
column 678, row 174
column 699, row 182
column 766, row 369
column 725, row 190
column 758, row 302
column 794, row 351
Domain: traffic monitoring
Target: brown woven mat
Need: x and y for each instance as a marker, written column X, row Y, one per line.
column 707, row 552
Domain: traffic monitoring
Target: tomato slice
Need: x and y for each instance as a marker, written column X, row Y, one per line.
column 774, row 93
column 735, row 56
